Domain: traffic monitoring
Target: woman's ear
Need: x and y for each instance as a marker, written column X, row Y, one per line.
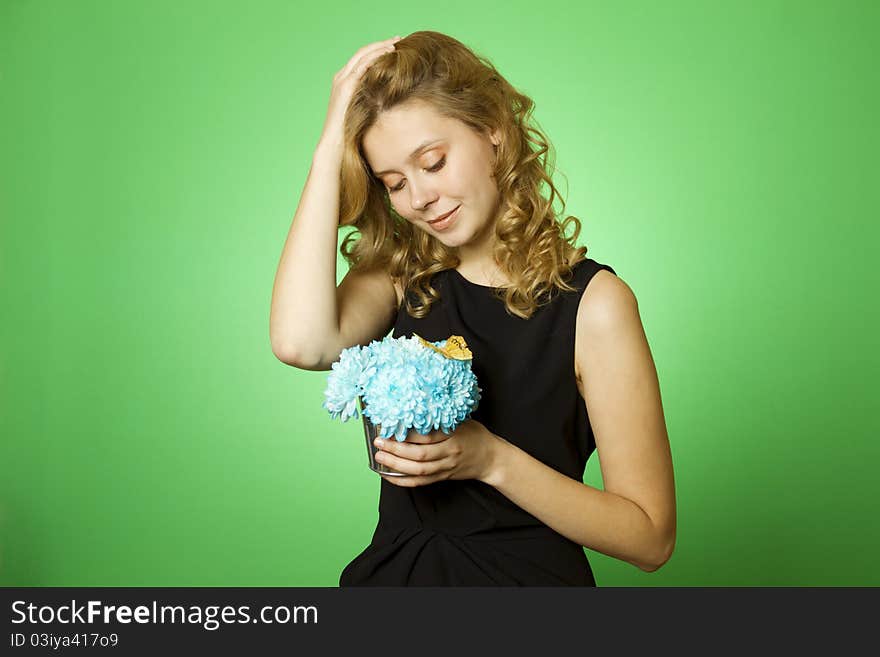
column 495, row 137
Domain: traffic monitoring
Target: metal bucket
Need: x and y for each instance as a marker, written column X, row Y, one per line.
column 371, row 432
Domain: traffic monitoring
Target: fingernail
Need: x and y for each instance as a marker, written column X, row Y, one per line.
column 378, row 442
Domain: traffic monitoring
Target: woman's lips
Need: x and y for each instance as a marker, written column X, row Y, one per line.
column 441, row 224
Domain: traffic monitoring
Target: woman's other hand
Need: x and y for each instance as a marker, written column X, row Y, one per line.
column 466, row 453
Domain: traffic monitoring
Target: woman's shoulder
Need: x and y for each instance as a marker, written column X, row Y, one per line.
column 583, row 275
column 607, row 310
column 587, row 268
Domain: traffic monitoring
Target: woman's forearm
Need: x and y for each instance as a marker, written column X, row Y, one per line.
column 596, row 519
column 303, row 323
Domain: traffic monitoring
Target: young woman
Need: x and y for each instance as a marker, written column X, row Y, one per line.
column 432, row 155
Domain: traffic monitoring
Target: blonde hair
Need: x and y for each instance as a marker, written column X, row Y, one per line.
column 531, row 246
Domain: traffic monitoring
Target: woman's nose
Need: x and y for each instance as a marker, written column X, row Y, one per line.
column 421, row 196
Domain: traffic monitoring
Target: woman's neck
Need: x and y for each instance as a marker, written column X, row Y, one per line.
column 483, row 271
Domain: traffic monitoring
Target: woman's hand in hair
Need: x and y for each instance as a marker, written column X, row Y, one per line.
column 466, row 453
column 344, row 84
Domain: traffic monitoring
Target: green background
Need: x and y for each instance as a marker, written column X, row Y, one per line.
column 722, row 158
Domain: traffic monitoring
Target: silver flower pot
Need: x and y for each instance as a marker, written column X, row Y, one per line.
column 371, row 432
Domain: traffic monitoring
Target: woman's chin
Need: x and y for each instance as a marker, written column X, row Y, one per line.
column 451, row 241
column 447, row 238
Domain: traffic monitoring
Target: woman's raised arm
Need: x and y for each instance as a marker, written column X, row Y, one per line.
column 310, row 320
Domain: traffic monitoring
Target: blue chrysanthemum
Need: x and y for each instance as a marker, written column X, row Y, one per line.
column 346, row 382
column 404, row 385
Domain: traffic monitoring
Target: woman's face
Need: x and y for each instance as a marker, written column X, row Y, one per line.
column 431, row 165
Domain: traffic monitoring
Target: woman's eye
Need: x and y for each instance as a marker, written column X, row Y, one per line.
column 439, row 164
column 434, row 168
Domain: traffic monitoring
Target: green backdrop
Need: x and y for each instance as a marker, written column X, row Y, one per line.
column 722, row 158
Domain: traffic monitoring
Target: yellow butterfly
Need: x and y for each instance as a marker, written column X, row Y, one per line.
column 455, row 347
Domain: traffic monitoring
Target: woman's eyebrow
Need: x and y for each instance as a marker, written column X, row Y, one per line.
column 421, row 147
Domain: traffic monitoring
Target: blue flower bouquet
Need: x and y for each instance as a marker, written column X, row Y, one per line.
column 400, row 384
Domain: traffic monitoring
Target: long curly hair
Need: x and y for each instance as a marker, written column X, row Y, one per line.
column 531, row 246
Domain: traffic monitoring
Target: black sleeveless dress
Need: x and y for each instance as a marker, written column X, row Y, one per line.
column 465, row 532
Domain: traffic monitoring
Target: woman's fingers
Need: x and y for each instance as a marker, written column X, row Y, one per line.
column 390, row 446
column 367, row 52
column 415, row 467
column 413, row 451
column 430, row 437
column 412, row 481
column 367, row 60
